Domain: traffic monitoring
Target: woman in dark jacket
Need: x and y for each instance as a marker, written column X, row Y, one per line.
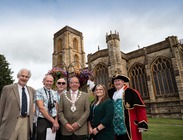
column 101, row 115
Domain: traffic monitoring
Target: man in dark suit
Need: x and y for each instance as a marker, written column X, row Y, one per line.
column 74, row 109
column 15, row 118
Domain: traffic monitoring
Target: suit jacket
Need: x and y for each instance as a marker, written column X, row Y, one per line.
column 80, row 115
column 10, row 109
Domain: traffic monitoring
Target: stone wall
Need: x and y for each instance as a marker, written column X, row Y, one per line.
column 167, row 107
column 116, row 61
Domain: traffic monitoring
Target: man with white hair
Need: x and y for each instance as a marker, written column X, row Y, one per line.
column 16, row 109
column 47, row 103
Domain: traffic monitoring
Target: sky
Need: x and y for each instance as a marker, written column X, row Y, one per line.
column 27, row 28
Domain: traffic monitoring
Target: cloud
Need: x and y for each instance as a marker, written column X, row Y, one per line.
column 27, row 28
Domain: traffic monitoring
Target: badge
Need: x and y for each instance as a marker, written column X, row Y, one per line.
column 73, row 108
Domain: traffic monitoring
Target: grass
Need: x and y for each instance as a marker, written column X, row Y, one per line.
column 164, row 129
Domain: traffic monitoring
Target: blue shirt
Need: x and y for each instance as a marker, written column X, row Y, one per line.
column 42, row 94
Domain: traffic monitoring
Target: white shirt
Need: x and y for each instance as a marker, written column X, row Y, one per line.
column 118, row 94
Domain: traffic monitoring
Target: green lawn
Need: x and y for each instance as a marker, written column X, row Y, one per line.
column 164, row 129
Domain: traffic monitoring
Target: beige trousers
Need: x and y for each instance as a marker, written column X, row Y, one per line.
column 21, row 129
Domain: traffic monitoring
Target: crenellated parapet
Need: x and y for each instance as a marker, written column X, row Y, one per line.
column 112, row 36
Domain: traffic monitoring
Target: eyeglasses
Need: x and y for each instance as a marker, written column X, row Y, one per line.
column 61, row 83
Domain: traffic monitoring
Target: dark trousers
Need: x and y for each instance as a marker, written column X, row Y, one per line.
column 34, row 135
column 121, row 137
column 58, row 133
column 42, row 125
column 73, row 137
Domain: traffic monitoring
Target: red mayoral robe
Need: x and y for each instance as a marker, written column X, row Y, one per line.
column 135, row 113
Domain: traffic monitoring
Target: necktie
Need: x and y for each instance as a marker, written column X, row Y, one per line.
column 24, row 103
column 73, row 97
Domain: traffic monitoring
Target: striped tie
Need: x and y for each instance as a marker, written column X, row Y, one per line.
column 24, row 103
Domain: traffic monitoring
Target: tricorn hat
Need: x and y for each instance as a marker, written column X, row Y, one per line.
column 93, row 89
column 121, row 77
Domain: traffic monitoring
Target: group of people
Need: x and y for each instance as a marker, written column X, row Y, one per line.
column 116, row 115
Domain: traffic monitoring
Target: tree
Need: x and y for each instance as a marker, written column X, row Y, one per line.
column 5, row 73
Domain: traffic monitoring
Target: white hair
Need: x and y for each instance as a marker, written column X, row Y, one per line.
column 24, row 69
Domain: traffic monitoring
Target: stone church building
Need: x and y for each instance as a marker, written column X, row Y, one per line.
column 156, row 71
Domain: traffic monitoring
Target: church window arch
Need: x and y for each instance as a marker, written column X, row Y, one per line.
column 138, row 77
column 59, row 45
column 76, row 60
column 101, row 74
column 75, row 44
column 163, row 77
column 59, row 61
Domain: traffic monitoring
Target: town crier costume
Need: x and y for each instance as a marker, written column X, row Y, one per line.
column 130, row 118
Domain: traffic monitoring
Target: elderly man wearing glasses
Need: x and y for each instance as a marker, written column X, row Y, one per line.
column 61, row 86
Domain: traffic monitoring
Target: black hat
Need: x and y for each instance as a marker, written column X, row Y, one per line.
column 121, row 77
column 93, row 89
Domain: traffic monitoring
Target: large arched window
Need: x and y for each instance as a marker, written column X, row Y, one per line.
column 59, row 61
column 163, row 78
column 101, row 74
column 59, row 45
column 138, row 80
column 76, row 62
column 75, row 44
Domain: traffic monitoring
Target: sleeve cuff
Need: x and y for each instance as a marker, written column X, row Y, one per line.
column 78, row 124
column 143, row 125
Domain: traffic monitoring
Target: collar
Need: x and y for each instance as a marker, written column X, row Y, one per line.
column 19, row 86
column 47, row 89
column 76, row 92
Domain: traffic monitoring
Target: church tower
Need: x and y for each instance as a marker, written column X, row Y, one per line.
column 116, row 64
column 68, row 50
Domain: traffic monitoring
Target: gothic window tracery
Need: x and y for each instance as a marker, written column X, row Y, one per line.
column 163, row 78
column 139, row 80
column 101, row 75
